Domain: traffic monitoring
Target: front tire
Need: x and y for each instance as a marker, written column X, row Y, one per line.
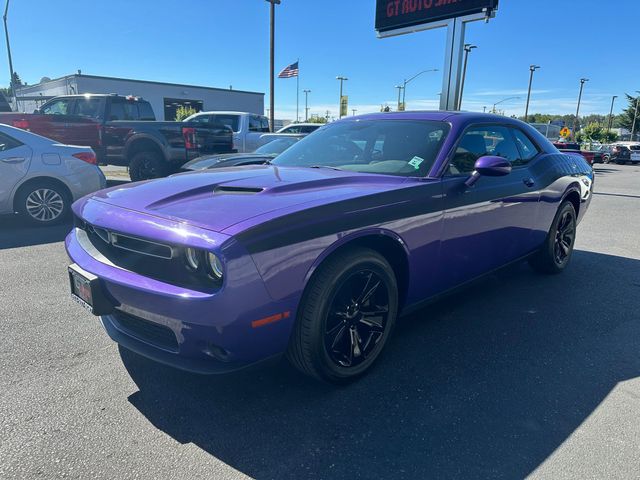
column 147, row 165
column 554, row 256
column 347, row 313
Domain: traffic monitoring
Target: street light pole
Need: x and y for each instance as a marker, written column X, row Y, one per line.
column 354, row 111
column 502, row 101
column 575, row 124
column 404, row 85
column 467, row 48
column 342, row 79
column 306, row 105
column 272, row 73
column 11, row 72
column 532, row 68
column 613, row 99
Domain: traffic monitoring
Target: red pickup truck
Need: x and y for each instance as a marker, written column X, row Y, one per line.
column 123, row 131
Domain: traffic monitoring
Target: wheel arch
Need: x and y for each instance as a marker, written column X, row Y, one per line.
column 573, row 195
column 40, row 179
column 386, row 243
column 143, row 143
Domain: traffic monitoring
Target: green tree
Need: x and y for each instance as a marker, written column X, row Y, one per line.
column 625, row 119
column 315, row 118
column 183, row 112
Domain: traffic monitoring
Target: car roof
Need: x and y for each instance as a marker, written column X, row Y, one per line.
column 436, row 115
column 224, row 112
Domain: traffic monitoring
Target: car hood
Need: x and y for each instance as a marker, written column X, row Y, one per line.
column 220, row 198
column 226, row 159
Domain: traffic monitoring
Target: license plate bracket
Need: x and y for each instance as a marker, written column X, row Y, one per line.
column 87, row 291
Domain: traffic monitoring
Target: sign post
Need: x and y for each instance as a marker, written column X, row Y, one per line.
column 395, row 17
column 344, row 105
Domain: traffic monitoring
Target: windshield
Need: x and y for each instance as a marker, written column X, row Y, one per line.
column 392, row 147
column 276, row 146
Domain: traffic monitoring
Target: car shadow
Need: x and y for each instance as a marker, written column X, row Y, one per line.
column 17, row 232
column 486, row 383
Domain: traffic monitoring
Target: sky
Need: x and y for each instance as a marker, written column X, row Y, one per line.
column 222, row 43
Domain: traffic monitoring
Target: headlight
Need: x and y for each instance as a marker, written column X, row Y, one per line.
column 192, row 258
column 214, row 266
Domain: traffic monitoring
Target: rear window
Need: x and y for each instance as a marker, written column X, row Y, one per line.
column 634, row 147
column 145, row 111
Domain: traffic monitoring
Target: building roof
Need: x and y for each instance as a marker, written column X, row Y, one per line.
column 99, row 77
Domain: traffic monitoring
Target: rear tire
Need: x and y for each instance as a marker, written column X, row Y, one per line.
column 147, row 165
column 43, row 203
column 347, row 313
column 555, row 254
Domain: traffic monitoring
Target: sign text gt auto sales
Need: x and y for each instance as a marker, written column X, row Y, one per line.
column 393, row 14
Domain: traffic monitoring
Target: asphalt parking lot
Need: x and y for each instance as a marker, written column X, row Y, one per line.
column 520, row 374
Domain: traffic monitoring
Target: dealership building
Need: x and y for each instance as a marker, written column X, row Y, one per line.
column 165, row 98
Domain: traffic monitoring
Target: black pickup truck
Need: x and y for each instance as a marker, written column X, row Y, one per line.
column 123, row 131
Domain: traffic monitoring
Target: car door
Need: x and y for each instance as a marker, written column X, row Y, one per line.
column 490, row 223
column 56, row 113
column 83, row 124
column 15, row 158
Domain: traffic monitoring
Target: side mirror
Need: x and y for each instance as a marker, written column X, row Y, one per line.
column 489, row 166
column 37, row 111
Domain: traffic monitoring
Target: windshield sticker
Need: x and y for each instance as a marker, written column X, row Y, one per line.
column 415, row 162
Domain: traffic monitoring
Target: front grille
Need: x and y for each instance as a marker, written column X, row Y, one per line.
column 145, row 257
column 147, row 331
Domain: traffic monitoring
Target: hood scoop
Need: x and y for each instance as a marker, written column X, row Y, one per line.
column 236, row 190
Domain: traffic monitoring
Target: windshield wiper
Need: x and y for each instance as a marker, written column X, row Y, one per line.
column 325, row 166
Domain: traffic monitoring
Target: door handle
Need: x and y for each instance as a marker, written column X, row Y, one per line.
column 13, row 159
column 528, row 182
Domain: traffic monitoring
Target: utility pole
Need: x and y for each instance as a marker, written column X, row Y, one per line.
column 342, row 79
column 306, row 105
column 613, row 99
column 575, row 124
column 467, row 48
column 272, row 73
column 635, row 116
column 354, row 111
column 532, row 68
column 11, row 72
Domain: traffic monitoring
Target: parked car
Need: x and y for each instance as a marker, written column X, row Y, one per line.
column 605, row 151
column 247, row 127
column 589, row 155
column 262, row 155
column 123, row 131
column 40, row 178
column 624, row 152
column 304, row 128
column 316, row 254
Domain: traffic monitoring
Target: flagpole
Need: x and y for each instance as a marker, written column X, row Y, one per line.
column 298, row 92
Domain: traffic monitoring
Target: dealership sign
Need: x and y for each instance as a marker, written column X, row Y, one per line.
column 396, row 14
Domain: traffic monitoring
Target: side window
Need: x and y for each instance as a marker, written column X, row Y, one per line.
column 292, row 130
column 123, row 110
column 201, row 119
column 265, row 124
column 526, row 147
column 7, row 142
column 255, row 124
column 481, row 141
column 307, row 129
column 116, row 111
column 57, row 107
column 87, row 107
column 146, row 112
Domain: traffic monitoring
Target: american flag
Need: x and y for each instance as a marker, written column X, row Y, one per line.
column 290, row 71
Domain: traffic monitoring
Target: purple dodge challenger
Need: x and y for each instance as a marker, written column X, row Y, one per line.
column 316, row 254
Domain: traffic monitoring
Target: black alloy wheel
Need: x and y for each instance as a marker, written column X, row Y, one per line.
column 357, row 318
column 555, row 254
column 346, row 315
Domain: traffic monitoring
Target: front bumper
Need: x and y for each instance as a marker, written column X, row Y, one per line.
column 203, row 332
